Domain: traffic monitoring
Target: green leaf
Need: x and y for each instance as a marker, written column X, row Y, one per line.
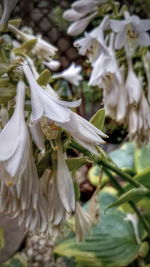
column 142, row 158
column 112, row 243
column 3, row 58
column 44, row 77
column 15, row 22
column 7, row 93
column 124, row 157
column 134, row 194
column 2, row 240
column 75, row 163
column 26, row 47
column 98, row 119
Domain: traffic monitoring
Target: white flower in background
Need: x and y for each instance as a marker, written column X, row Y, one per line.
column 15, row 140
column 72, row 15
column 131, row 32
column 132, row 121
column 93, row 42
column 104, row 65
column 79, row 26
column 146, row 61
column 133, row 85
column 64, row 182
column 44, row 104
column 132, row 218
column 144, row 118
column 83, row 222
column 41, row 48
column 52, row 64
column 86, row 7
column 71, row 74
column 83, row 132
column 8, row 6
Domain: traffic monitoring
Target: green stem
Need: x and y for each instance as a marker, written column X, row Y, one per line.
column 132, row 204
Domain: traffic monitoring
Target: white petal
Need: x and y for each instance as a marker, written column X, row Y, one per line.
column 117, row 25
column 144, row 39
column 64, row 183
column 37, row 135
column 72, row 15
column 9, row 5
column 82, row 7
column 144, row 25
column 120, row 40
column 80, row 25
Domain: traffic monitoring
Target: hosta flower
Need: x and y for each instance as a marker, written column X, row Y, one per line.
column 8, row 6
column 52, row 64
column 146, row 61
column 131, row 32
column 64, row 182
column 72, row 74
column 86, row 7
column 44, row 104
column 79, row 26
column 15, row 140
column 144, row 120
column 133, row 86
column 93, row 42
column 83, row 132
column 83, row 222
column 132, row 121
column 41, row 48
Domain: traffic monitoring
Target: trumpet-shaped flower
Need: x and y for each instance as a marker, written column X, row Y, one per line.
column 79, row 26
column 86, row 7
column 15, row 140
column 8, row 6
column 64, row 182
column 133, row 86
column 41, row 48
column 52, row 64
column 93, row 42
column 71, row 74
column 44, row 104
column 83, row 132
column 131, row 32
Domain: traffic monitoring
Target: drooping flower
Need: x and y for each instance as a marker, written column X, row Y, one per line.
column 83, row 222
column 71, row 74
column 52, row 64
column 64, row 182
column 8, row 6
column 133, row 85
column 15, row 140
column 132, row 218
column 44, row 104
column 93, row 43
column 131, row 32
column 83, row 132
column 79, row 26
column 42, row 48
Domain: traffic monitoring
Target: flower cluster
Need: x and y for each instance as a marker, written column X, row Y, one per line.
column 40, row 204
column 111, row 49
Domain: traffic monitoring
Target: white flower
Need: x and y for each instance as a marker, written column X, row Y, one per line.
column 83, row 132
column 86, row 7
column 134, row 221
column 8, row 5
column 64, row 182
column 93, row 42
column 52, row 64
column 45, row 104
column 131, row 32
column 104, row 65
column 41, row 48
column 146, row 61
column 79, row 26
column 144, row 118
column 83, row 222
column 72, row 15
column 133, row 86
column 132, row 121
column 15, row 140
column 71, row 74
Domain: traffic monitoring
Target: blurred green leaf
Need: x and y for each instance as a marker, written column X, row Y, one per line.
column 142, row 158
column 75, row 163
column 17, row 261
column 25, row 47
column 112, row 243
column 134, row 194
column 44, row 77
column 124, row 157
column 98, row 119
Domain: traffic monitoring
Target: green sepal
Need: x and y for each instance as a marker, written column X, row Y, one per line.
column 98, row 119
column 44, row 77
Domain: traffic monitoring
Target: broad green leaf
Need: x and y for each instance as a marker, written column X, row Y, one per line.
column 112, row 243
column 25, row 47
column 44, row 77
column 4, row 68
column 134, row 194
column 98, row 119
column 124, row 157
column 142, row 158
column 75, row 163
